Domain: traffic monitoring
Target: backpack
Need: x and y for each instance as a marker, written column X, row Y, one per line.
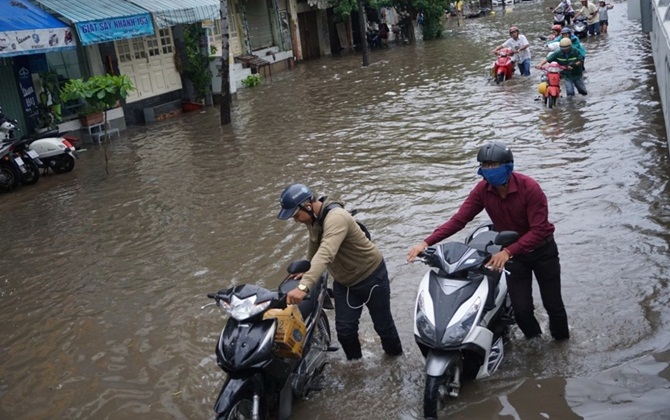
column 331, row 206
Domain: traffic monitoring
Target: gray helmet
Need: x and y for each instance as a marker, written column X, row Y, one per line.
column 566, row 30
column 291, row 198
column 495, row 152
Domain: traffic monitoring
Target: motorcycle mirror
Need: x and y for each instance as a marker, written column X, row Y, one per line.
column 300, row 266
column 506, row 237
column 543, row 38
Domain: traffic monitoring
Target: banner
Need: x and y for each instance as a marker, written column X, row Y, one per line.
column 34, row 41
column 112, row 29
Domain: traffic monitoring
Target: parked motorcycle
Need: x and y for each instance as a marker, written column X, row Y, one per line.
column 549, row 86
column 12, row 168
column 29, row 157
column 53, row 150
column 579, row 27
column 462, row 314
column 269, row 353
column 503, row 66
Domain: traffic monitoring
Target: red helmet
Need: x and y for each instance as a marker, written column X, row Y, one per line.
column 513, row 29
column 556, row 28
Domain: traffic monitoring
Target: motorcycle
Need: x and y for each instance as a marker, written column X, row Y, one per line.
column 269, row 353
column 503, row 66
column 54, row 151
column 549, row 86
column 559, row 18
column 12, row 168
column 462, row 314
column 579, row 27
column 29, row 157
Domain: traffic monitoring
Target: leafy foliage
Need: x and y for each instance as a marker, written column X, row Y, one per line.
column 197, row 64
column 252, row 80
column 433, row 16
column 98, row 92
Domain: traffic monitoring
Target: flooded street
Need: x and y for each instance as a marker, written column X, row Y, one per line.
column 102, row 277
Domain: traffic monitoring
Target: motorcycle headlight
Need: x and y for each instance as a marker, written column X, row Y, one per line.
column 426, row 328
column 457, row 332
column 242, row 309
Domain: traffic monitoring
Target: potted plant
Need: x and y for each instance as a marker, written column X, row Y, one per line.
column 98, row 93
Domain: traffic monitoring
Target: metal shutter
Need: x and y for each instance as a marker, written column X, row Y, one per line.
column 257, row 14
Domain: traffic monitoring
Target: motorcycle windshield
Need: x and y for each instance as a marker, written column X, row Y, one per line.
column 454, row 259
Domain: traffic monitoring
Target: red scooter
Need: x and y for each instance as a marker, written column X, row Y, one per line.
column 503, row 67
column 549, row 86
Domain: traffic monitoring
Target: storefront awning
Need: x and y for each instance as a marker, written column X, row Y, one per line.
column 99, row 21
column 27, row 29
column 168, row 13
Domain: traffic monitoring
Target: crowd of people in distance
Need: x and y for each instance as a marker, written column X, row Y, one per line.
column 568, row 50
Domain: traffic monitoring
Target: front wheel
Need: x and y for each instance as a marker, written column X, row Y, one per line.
column 243, row 409
column 63, row 163
column 500, row 77
column 434, row 395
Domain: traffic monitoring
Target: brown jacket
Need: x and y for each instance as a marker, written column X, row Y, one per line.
column 339, row 246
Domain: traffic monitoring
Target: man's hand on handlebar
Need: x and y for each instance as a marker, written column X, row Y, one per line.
column 497, row 261
column 295, row 296
column 416, row 250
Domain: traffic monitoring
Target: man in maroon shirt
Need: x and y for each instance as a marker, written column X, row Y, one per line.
column 515, row 202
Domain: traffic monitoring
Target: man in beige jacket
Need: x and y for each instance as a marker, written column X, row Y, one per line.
column 339, row 245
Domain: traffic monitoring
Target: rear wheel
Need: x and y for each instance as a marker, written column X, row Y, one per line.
column 32, row 174
column 63, row 163
column 551, row 101
column 9, row 178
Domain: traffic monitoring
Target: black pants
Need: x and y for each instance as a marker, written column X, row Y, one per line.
column 375, row 293
column 545, row 264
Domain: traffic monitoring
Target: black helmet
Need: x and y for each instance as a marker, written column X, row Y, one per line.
column 495, row 152
column 291, row 198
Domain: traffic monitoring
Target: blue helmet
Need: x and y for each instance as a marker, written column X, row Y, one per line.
column 566, row 30
column 291, row 198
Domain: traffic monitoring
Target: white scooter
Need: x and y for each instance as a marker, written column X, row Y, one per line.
column 462, row 314
column 54, row 151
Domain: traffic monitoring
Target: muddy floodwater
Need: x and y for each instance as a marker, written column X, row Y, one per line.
column 102, row 277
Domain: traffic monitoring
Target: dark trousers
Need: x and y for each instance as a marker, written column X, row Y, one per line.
column 349, row 302
column 545, row 264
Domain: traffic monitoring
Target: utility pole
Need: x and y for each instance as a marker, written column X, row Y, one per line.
column 225, row 65
column 363, row 32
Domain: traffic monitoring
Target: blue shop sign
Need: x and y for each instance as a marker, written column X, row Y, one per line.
column 112, row 29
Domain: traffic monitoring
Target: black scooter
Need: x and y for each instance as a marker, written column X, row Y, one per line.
column 270, row 354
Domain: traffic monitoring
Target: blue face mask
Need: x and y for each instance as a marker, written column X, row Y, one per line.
column 497, row 176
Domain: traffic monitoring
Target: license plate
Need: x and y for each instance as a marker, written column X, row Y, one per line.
column 19, row 161
column 33, row 154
